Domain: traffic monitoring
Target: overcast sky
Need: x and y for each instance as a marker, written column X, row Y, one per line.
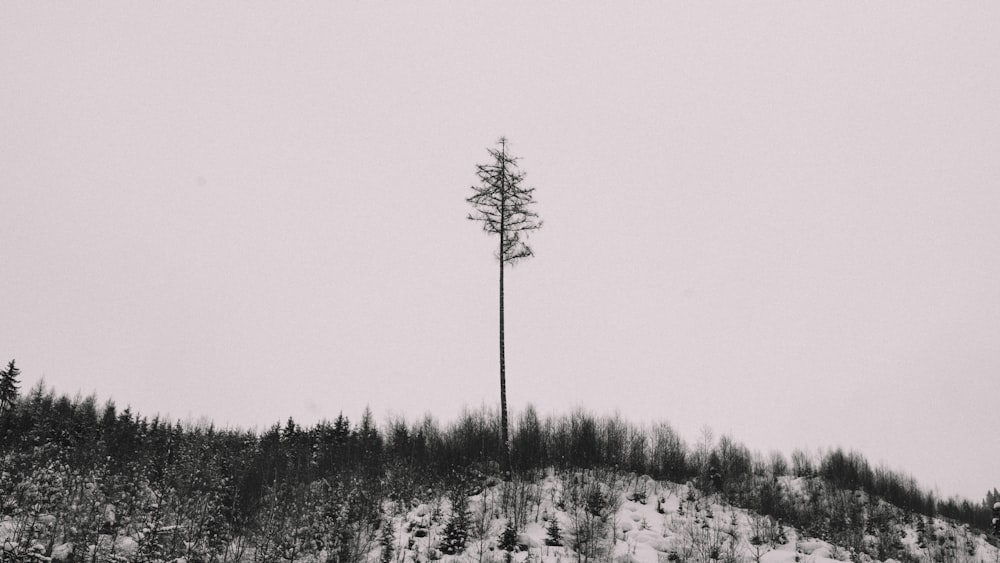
column 781, row 220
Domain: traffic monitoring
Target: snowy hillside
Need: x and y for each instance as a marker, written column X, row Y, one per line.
column 570, row 517
column 596, row 516
column 78, row 484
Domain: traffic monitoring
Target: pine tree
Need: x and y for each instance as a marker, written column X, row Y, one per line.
column 921, row 532
column 553, row 533
column 504, row 205
column 456, row 531
column 387, row 539
column 508, row 540
column 8, row 386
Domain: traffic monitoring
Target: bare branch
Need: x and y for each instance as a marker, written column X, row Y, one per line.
column 503, row 205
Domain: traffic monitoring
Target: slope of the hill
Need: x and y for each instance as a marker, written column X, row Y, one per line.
column 78, row 483
column 568, row 515
column 595, row 516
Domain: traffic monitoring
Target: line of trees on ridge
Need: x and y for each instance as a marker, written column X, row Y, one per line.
column 74, row 456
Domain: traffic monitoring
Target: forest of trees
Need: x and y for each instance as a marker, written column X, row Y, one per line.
column 76, row 471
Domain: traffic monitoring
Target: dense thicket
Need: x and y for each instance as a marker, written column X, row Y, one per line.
column 75, row 471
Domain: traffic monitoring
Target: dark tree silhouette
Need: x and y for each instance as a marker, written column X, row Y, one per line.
column 503, row 205
column 996, row 518
column 8, row 386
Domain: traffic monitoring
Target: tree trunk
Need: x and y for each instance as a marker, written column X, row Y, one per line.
column 504, row 435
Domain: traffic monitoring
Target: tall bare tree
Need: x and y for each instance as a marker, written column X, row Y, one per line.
column 504, row 206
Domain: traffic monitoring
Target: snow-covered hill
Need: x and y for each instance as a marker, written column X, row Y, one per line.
column 639, row 520
column 586, row 516
column 76, row 485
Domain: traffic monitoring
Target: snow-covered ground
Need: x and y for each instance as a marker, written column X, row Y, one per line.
column 627, row 518
column 654, row 522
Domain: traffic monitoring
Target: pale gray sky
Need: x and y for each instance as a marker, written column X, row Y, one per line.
column 777, row 219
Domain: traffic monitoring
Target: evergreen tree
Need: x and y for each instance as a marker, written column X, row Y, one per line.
column 456, row 532
column 508, row 541
column 504, row 205
column 553, row 533
column 714, row 472
column 367, row 437
column 8, row 386
column 387, row 539
column 921, row 532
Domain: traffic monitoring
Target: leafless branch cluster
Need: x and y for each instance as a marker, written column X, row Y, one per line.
column 503, row 204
